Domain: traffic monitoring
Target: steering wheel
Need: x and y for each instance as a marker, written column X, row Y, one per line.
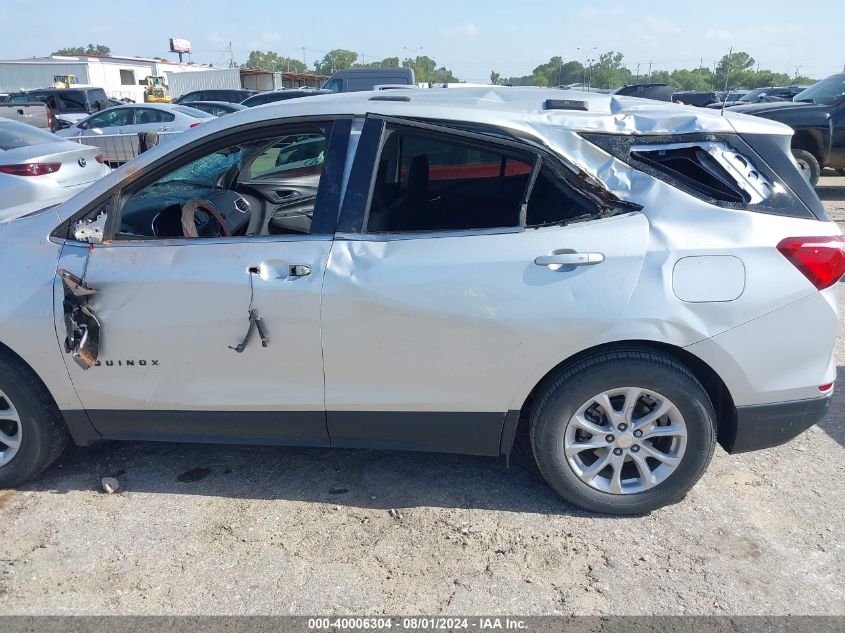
column 189, row 220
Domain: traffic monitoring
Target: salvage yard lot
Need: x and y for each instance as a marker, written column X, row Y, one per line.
column 242, row 530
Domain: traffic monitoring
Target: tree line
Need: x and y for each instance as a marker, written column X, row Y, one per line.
column 736, row 70
column 425, row 68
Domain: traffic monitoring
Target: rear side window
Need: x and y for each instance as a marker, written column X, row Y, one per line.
column 721, row 169
column 197, row 114
column 552, row 202
column 701, row 170
column 436, row 183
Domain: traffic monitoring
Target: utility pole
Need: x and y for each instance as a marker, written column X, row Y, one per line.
column 232, row 63
column 650, row 62
column 304, row 63
column 638, row 73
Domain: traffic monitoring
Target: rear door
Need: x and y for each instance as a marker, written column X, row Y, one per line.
column 453, row 283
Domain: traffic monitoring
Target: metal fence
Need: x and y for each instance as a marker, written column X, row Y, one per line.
column 119, row 148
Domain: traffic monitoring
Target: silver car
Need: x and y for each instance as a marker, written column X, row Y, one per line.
column 35, row 165
column 115, row 130
column 631, row 280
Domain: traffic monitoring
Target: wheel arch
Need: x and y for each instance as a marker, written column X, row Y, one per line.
column 715, row 387
column 81, row 430
column 810, row 141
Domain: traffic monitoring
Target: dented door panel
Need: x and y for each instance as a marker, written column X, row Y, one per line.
column 172, row 315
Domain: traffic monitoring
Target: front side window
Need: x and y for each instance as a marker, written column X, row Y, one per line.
column 433, row 182
column 258, row 187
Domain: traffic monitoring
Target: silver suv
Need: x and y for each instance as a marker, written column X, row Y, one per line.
column 631, row 280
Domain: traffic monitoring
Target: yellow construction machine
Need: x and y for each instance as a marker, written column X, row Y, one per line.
column 156, row 90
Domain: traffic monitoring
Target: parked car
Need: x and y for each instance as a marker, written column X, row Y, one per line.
column 817, row 115
column 364, row 79
column 115, row 130
column 631, row 283
column 217, row 108
column 727, row 99
column 654, row 91
column 698, row 98
column 36, row 165
column 282, row 95
column 768, row 95
column 68, row 105
column 34, row 113
column 230, row 95
column 4, row 98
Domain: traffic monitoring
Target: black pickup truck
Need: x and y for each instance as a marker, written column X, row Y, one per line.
column 817, row 115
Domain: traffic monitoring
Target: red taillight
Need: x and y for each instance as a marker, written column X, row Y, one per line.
column 826, row 387
column 820, row 259
column 194, row 124
column 30, row 169
column 99, row 158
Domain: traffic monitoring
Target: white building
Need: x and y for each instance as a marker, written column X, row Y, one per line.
column 121, row 77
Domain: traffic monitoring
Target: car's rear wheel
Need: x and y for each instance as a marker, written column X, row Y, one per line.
column 623, row 432
column 32, row 433
column 808, row 165
column 841, row 172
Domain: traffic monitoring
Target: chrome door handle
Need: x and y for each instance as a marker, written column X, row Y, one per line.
column 300, row 270
column 570, row 259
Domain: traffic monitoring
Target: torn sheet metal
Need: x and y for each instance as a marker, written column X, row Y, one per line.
column 82, row 326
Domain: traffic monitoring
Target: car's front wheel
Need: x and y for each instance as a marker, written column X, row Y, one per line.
column 623, row 432
column 32, row 433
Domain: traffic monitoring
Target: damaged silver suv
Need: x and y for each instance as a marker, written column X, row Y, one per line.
column 631, row 280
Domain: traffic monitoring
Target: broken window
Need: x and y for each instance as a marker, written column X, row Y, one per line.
column 261, row 187
column 710, row 169
column 431, row 182
column 552, row 201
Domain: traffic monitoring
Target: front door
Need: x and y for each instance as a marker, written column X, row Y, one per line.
column 460, row 285
column 178, row 291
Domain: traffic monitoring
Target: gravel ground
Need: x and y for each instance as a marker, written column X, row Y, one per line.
column 240, row 530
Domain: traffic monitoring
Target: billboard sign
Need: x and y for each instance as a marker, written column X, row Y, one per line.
column 178, row 45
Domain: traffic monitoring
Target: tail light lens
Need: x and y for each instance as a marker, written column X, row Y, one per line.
column 30, row 169
column 820, row 259
column 99, row 158
column 194, row 124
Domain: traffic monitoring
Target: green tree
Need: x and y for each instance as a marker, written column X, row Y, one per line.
column 92, row 49
column 273, row 62
column 387, row 62
column 495, row 78
column 423, row 67
column 335, row 60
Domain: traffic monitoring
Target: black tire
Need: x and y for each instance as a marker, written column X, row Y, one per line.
column 43, row 431
column 841, row 172
column 809, row 165
column 577, row 383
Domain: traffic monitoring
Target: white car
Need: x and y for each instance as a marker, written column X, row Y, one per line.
column 35, row 165
column 631, row 280
column 115, row 130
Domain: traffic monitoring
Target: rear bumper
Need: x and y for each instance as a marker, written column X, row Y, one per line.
column 767, row 425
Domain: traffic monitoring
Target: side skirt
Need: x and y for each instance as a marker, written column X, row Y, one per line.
column 469, row 433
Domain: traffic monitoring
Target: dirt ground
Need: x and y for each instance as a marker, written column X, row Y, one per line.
column 242, row 530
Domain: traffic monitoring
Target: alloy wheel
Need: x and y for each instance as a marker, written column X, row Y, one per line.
column 625, row 440
column 10, row 430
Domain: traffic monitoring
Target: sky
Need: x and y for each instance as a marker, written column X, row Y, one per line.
column 471, row 37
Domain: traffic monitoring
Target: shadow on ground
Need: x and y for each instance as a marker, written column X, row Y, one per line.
column 356, row 478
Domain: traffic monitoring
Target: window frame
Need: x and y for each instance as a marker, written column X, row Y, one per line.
column 327, row 203
column 355, row 211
